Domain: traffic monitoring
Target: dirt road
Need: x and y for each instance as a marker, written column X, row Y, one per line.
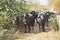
column 40, row 36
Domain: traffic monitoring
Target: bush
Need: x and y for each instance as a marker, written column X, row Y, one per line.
column 52, row 22
column 4, row 34
column 7, row 11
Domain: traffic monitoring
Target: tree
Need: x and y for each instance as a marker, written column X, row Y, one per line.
column 54, row 5
column 8, row 9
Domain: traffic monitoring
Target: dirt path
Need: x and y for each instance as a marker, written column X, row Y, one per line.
column 42, row 36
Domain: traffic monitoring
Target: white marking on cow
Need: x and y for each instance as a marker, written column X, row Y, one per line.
column 13, row 21
column 38, row 19
column 14, row 18
column 42, row 17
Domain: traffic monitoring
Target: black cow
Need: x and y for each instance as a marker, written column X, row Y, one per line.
column 35, row 14
column 29, row 21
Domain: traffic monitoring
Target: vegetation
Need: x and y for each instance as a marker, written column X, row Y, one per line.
column 8, row 9
column 54, row 6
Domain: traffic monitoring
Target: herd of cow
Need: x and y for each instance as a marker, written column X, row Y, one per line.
column 29, row 19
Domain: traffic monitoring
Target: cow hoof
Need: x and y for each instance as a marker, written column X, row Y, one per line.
column 25, row 32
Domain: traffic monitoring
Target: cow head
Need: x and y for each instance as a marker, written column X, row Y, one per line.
column 35, row 14
column 48, row 13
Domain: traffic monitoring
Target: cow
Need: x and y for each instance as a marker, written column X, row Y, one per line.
column 41, row 22
column 42, row 19
column 16, row 21
column 35, row 14
column 29, row 21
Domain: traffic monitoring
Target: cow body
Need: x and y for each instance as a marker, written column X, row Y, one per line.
column 41, row 21
column 30, row 20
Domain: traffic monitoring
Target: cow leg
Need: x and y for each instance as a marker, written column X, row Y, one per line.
column 25, row 28
column 43, row 27
column 33, row 28
column 39, row 28
column 29, row 29
column 47, row 23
